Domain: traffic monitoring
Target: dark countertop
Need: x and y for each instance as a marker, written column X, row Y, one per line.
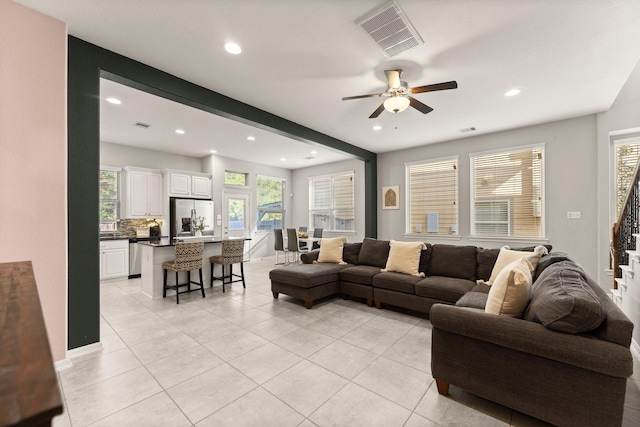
column 117, row 236
column 164, row 242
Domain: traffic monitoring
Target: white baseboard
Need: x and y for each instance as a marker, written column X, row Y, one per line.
column 85, row 350
column 63, row 364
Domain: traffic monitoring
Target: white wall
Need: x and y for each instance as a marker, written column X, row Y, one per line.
column 117, row 155
column 262, row 242
column 570, row 183
column 300, row 195
column 33, row 157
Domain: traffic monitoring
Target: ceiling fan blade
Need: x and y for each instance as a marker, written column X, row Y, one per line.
column 373, row 95
column 376, row 113
column 423, row 108
column 433, row 88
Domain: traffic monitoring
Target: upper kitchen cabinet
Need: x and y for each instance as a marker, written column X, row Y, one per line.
column 143, row 196
column 188, row 184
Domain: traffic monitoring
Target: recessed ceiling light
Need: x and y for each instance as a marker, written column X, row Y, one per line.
column 314, row 152
column 179, row 131
column 251, row 138
column 376, row 127
column 512, row 92
column 115, row 101
column 232, row 48
column 282, row 159
column 213, row 151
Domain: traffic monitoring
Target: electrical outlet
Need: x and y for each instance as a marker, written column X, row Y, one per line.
column 574, row 215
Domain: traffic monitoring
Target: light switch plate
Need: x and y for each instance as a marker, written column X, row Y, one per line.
column 574, row 215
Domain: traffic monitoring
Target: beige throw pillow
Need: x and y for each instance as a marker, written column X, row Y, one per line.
column 510, row 292
column 507, row 256
column 331, row 250
column 404, row 257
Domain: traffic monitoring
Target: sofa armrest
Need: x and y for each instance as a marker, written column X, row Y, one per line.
column 309, row 257
column 584, row 351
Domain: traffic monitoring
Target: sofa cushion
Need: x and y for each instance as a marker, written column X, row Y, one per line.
column 307, row 275
column 509, row 293
column 562, row 300
column 362, row 274
column 507, row 256
column 473, row 300
column 404, row 257
column 396, row 282
column 486, row 259
column 331, row 250
column 374, row 252
column 443, row 288
column 453, row 261
column 350, row 252
column 425, row 259
column 547, row 260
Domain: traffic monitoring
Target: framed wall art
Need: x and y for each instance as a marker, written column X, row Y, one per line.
column 391, row 197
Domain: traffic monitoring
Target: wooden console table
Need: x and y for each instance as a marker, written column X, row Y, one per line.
column 29, row 393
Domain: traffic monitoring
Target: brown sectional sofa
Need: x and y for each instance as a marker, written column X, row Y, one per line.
column 450, row 272
column 550, row 364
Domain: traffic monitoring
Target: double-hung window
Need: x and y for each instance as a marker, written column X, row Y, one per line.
column 432, row 196
column 270, row 196
column 109, row 204
column 332, row 202
column 507, row 193
column 627, row 155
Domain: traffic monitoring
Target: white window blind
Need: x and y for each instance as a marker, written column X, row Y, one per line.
column 332, row 202
column 432, row 197
column 507, row 193
column 626, row 159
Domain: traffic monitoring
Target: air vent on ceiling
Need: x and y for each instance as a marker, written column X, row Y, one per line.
column 390, row 29
column 309, row 158
column 142, row 125
column 465, row 130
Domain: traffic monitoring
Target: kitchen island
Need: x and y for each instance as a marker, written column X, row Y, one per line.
column 155, row 252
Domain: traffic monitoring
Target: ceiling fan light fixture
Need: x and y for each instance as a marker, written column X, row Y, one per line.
column 396, row 104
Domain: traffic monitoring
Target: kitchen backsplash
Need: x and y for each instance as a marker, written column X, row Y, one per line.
column 129, row 226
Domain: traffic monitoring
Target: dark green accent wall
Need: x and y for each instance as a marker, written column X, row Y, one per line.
column 87, row 63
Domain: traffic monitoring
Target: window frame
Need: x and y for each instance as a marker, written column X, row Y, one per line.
column 246, row 179
column 281, row 210
column 331, row 209
column 118, row 199
column 473, row 235
column 628, row 139
column 408, row 203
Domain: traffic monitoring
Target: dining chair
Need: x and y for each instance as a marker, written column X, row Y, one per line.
column 188, row 258
column 278, row 244
column 293, row 245
column 317, row 232
column 232, row 253
column 302, row 230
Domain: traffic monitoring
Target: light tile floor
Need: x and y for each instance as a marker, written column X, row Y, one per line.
column 243, row 358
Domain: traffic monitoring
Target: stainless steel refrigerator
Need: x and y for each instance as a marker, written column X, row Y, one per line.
column 184, row 213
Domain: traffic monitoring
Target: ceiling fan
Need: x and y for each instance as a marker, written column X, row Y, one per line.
column 399, row 92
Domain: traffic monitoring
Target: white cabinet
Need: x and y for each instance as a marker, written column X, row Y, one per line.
column 114, row 259
column 188, row 184
column 143, row 193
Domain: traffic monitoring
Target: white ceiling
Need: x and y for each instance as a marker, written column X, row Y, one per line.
column 569, row 58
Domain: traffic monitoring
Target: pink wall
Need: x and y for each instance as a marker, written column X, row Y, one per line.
column 33, row 156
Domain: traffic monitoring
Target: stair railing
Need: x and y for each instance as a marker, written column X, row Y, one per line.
column 623, row 238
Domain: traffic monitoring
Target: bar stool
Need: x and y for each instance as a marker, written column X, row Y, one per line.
column 232, row 253
column 188, row 258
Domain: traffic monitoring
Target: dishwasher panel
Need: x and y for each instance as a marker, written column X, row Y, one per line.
column 135, row 260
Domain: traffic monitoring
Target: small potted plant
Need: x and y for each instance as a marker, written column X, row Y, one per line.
column 199, row 225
